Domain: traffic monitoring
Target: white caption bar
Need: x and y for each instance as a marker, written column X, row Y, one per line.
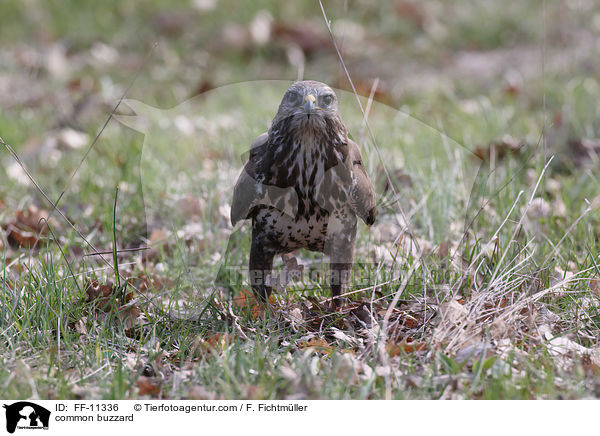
column 156, row 417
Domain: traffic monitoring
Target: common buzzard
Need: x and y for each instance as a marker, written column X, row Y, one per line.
column 303, row 186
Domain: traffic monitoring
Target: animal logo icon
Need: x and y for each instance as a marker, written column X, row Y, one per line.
column 25, row 414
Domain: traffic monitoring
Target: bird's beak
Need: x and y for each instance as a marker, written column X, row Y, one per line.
column 309, row 104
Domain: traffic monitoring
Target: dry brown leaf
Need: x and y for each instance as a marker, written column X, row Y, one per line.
column 310, row 40
column 218, row 339
column 204, row 345
column 317, row 345
column 410, row 321
column 444, row 249
column 148, row 386
column 171, row 23
column 405, row 347
column 411, row 11
column 130, row 317
column 500, row 149
column 246, row 301
column 590, row 367
column 584, row 149
column 28, row 228
column 102, row 295
column 202, row 87
column 595, row 286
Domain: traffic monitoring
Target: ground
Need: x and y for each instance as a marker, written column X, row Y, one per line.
column 479, row 280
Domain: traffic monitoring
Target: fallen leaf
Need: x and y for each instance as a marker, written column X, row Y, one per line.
column 28, row 228
column 218, row 341
column 104, row 298
column 404, row 347
column 594, row 285
column 500, row 149
column 410, row 321
column 317, row 345
column 148, row 386
column 444, row 249
column 202, row 87
column 171, row 23
column 246, row 302
column 411, row 11
column 309, row 40
column 584, row 149
column 590, row 367
column 100, row 294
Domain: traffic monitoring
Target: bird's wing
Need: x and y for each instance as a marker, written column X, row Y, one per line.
column 362, row 193
column 247, row 189
column 250, row 192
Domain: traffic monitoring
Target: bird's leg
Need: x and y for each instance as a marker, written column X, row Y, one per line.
column 339, row 276
column 340, row 249
column 260, row 266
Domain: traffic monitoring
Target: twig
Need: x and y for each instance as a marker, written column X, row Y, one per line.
column 124, row 250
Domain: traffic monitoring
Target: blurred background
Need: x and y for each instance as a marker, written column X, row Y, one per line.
column 68, row 60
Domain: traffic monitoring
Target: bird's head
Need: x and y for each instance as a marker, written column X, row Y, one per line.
column 308, row 104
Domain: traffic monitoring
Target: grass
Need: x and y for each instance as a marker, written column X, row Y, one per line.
column 477, row 317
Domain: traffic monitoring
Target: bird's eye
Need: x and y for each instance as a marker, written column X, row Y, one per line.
column 326, row 100
column 294, row 98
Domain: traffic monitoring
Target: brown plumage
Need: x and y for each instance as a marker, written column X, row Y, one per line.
column 303, row 186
